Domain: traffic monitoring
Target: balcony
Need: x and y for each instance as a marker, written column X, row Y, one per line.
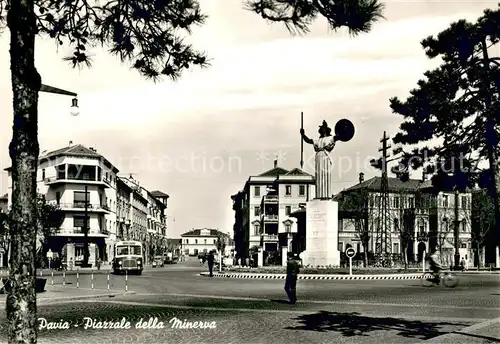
column 269, row 237
column 71, row 179
column 271, row 199
column 78, row 231
column 269, row 218
column 80, row 206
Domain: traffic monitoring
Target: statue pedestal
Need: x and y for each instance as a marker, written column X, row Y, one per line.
column 321, row 234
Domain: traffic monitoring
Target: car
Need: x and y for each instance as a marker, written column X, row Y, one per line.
column 158, row 262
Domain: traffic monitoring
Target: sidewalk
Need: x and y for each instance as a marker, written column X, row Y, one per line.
column 105, row 269
column 485, row 332
column 66, row 293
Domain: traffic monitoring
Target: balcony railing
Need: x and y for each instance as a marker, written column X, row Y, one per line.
column 270, row 237
column 271, row 198
column 268, row 217
column 81, row 205
column 82, row 178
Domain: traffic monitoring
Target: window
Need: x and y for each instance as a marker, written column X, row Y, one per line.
column 288, row 210
column 78, row 221
column 256, row 229
column 422, row 226
column 445, row 201
column 463, row 245
column 464, row 226
column 195, row 241
column 411, row 202
column 377, row 201
column 396, row 248
column 215, row 241
column 371, row 200
column 395, row 202
column 288, row 190
column 256, row 211
column 187, row 241
column 288, row 227
column 302, row 190
column 341, row 246
column 79, row 198
column 204, row 241
column 43, row 174
column 257, row 191
column 396, row 225
column 464, row 202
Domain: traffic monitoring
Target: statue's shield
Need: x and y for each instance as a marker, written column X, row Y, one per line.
column 344, row 130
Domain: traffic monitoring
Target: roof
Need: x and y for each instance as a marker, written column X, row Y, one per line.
column 121, row 183
column 273, row 172
column 197, row 233
column 395, row 184
column 74, row 150
column 298, row 172
column 159, row 194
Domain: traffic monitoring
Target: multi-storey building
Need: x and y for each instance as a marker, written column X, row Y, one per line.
column 123, row 209
column 263, row 208
column 198, row 241
column 148, row 216
column 79, row 180
column 429, row 214
column 4, row 203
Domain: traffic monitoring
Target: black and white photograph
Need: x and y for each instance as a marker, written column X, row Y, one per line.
column 249, row 171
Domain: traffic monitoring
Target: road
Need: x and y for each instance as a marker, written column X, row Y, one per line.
column 255, row 311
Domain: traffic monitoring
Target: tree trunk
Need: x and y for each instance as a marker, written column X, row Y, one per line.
column 365, row 255
column 479, row 254
column 491, row 146
column 23, row 149
column 404, row 249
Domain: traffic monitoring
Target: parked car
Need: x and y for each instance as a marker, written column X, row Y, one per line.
column 158, row 262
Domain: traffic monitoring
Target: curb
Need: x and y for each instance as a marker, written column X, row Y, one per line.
column 318, row 277
column 467, row 334
column 82, row 297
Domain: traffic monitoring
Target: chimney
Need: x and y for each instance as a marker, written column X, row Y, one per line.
column 70, row 143
column 361, row 177
column 276, row 161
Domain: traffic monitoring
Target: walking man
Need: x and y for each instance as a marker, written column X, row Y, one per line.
column 292, row 273
column 210, row 263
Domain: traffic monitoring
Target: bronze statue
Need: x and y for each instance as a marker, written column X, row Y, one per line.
column 344, row 131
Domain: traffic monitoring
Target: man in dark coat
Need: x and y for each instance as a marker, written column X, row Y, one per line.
column 210, row 263
column 292, row 273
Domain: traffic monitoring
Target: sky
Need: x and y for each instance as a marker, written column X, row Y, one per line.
column 199, row 139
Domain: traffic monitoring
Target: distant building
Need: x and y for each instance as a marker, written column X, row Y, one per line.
column 174, row 245
column 263, row 208
column 429, row 212
column 199, row 241
column 4, row 203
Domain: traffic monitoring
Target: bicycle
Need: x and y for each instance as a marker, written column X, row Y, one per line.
column 448, row 279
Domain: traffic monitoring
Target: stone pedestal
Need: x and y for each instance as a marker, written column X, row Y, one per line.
column 321, row 234
column 260, row 257
column 284, row 255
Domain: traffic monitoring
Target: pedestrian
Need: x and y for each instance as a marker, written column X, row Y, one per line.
column 292, row 273
column 210, row 263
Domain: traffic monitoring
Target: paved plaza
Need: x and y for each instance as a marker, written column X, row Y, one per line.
column 256, row 311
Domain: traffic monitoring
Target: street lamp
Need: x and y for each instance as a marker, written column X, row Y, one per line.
column 74, row 110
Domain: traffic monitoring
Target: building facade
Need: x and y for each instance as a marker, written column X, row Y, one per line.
column 428, row 213
column 81, row 181
column 72, row 177
column 199, row 241
column 262, row 213
column 4, row 203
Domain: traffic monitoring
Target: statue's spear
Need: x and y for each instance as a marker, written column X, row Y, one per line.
column 301, row 142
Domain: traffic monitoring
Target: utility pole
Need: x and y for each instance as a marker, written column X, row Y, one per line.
column 456, row 231
column 86, row 231
column 383, row 243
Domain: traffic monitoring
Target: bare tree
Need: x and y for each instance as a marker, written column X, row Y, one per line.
column 355, row 206
column 402, row 213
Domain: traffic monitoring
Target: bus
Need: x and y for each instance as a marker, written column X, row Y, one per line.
column 128, row 257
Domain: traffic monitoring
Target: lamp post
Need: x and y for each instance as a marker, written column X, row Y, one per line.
column 74, row 110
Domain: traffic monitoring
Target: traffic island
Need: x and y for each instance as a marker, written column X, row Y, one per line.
column 393, row 276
